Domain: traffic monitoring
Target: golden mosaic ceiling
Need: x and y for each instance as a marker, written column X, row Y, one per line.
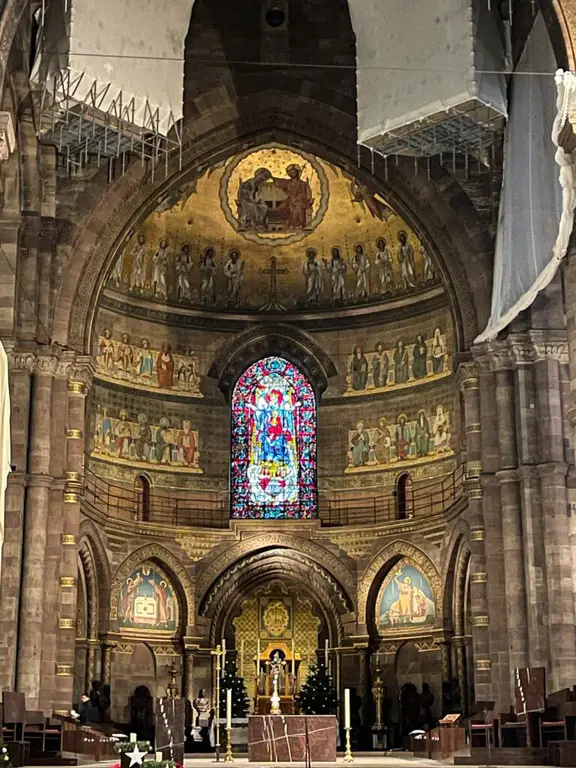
column 276, row 229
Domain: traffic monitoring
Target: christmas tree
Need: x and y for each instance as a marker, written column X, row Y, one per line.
column 240, row 700
column 318, row 695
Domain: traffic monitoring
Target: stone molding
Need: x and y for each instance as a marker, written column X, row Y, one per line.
column 521, row 349
column 77, row 369
column 383, row 558
column 467, row 376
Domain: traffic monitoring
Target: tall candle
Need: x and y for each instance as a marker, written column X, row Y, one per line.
column 223, row 657
column 158, row 757
column 242, row 658
column 347, row 708
column 133, row 738
column 293, row 662
column 326, row 654
column 229, row 708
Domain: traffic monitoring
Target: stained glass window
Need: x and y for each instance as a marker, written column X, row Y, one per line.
column 273, row 442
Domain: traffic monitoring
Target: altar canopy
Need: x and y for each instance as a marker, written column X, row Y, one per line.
column 429, row 74
column 538, row 191
column 133, row 71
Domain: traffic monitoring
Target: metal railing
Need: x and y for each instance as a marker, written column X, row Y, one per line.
column 211, row 509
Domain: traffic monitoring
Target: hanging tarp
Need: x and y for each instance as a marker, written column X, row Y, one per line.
column 430, row 67
column 125, row 56
column 537, row 203
column 4, row 440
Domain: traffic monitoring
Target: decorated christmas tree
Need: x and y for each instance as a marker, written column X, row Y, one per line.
column 240, row 700
column 318, row 695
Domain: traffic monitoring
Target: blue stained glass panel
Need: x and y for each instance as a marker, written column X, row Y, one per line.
column 273, row 472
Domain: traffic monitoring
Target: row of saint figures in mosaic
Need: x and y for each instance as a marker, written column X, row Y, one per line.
column 273, row 446
column 132, row 440
column 273, row 228
column 179, row 372
column 208, row 278
column 422, row 438
column 148, row 604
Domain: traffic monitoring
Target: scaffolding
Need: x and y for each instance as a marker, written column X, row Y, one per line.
column 469, row 129
column 82, row 128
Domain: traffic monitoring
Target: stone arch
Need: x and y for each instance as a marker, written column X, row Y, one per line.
column 88, row 565
column 415, row 198
column 380, row 565
column 251, row 345
column 89, row 538
column 258, row 567
column 175, row 570
column 317, row 555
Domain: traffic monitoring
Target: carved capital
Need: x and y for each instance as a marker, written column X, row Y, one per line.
column 47, row 365
column 492, row 356
column 21, row 361
column 550, row 345
column 467, row 376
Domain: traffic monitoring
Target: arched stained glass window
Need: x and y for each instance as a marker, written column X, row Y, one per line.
column 273, row 471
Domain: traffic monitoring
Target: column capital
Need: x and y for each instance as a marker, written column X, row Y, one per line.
column 467, row 376
column 492, row 356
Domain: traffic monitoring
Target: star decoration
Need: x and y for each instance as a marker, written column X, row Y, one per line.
column 136, row 757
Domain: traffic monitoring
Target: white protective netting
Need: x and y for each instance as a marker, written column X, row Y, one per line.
column 537, row 203
column 435, row 61
column 124, row 53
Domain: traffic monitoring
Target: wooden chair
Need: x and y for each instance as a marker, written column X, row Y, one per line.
column 13, row 711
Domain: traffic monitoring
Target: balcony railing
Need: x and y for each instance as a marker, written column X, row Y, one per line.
column 212, row 510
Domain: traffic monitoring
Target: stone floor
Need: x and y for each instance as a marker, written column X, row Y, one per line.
column 360, row 761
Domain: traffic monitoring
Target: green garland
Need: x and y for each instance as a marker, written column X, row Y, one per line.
column 122, row 747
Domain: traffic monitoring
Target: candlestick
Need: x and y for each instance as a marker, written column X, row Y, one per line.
column 242, row 658
column 326, row 654
column 229, row 708
column 229, row 757
column 222, row 668
column 293, row 662
column 348, row 758
column 347, row 709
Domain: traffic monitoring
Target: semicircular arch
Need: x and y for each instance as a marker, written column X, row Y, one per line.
column 317, row 555
column 175, row 570
column 380, row 565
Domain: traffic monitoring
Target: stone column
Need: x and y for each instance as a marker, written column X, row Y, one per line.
column 81, row 376
column 35, row 526
column 469, row 386
column 459, row 643
column 529, row 488
column 21, row 367
column 189, row 674
column 508, row 478
column 106, row 666
column 556, row 524
column 491, row 533
column 54, row 533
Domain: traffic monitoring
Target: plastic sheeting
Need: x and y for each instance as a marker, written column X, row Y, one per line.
column 418, row 59
column 536, row 208
column 129, row 52
column 4, row 439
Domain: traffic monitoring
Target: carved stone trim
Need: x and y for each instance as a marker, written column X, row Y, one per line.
column 199, row 545
column 322, row 556
column 164, row 556
column 482, row 665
